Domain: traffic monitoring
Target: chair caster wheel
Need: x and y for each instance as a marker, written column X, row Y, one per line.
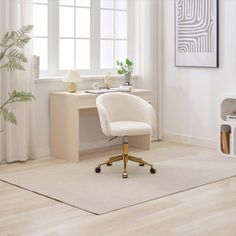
column 141, row 164
column 125, row 175
column 98, row 169
column 153, row 170
column 109, row 164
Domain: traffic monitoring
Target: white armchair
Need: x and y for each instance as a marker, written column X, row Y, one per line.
column 123, row 114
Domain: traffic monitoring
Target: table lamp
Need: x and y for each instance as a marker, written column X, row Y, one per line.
column 72, row 77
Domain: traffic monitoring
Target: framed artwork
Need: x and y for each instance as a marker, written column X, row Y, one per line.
column 196, row 33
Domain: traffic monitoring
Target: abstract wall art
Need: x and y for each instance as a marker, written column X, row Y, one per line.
column 196, row 33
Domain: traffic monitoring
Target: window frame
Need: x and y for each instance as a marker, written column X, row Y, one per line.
column 115, row 39
column 95, row 40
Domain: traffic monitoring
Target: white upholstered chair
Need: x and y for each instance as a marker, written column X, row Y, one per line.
column 123, row 114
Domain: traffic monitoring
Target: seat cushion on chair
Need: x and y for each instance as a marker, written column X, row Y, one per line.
column 129, row 128
column 118, row 109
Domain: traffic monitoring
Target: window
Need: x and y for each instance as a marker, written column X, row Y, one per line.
column 89, row 35
column 74, row 34
column 113, row 32
column 40, row 14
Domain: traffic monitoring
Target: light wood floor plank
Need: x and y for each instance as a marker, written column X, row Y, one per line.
column 208, row 210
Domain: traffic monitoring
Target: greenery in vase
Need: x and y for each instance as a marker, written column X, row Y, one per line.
column 125, row 67
column 12, row 58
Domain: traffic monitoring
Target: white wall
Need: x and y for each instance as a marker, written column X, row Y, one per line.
column 191, row 96
column 90, row 132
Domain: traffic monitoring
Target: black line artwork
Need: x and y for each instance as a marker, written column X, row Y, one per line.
column 196, row 32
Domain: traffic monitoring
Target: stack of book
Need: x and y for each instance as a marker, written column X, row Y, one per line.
column 225, row 140
column 100, row 91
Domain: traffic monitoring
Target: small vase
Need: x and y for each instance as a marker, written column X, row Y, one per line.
column 127, row 78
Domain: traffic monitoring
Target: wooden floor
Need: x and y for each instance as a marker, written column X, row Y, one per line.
column 208, row 210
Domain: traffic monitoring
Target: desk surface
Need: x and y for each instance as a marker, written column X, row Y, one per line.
column 88, row 100
column 82, row 93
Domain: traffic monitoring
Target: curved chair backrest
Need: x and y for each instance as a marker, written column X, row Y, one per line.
column 118, row 106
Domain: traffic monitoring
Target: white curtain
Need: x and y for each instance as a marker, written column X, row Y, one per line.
column 16, row 140
column 145, row 19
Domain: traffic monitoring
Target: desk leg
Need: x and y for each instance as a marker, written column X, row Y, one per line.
column 64, row 127
column 140, row 141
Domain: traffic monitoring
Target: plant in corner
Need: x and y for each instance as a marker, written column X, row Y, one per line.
column 125, row 68
column 12, row 59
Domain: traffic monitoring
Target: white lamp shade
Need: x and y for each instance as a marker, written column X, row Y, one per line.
column 72, row 76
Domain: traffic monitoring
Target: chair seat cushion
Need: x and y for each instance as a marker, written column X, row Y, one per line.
column 129, row 128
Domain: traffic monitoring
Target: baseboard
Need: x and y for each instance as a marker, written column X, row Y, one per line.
column 45, row 151
column 99, row 144
column 190, row 140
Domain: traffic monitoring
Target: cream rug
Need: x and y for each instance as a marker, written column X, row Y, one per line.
column 179, row 168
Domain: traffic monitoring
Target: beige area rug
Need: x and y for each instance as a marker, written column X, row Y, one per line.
column 179, row 168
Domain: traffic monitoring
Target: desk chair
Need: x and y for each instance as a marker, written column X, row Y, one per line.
column 123, row 114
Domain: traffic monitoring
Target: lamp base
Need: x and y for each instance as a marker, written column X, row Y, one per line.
column 71, row 88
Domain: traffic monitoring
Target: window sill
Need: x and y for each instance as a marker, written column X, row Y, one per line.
column 84, row 77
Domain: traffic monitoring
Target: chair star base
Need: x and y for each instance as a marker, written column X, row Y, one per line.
column 125, row 157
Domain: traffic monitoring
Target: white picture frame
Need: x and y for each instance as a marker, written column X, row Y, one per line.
column 196, row 33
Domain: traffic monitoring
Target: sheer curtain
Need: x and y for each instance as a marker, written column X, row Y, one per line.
column 16, row 141
column 145, row 20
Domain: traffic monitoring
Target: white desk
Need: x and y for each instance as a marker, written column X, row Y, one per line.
column 65, row 109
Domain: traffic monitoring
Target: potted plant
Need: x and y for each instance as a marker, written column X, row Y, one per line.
column 12, row 58
column 125, row 68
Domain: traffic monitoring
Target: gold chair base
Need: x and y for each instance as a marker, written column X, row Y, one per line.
column 125, row 157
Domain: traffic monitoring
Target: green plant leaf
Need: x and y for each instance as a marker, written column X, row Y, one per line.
column 26, row 29
column 12, row 66
column 1, row 55
column 120, row 72
column 8, row 115
column 21, row 96
column 17, row 56
column 125, row 67
column 5, row 39
column 12, row 40
column 12, row 59
column 128, row 62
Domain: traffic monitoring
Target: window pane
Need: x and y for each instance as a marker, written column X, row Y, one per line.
column 67, row 2
column 83, row 3
column 83, row 54
column 41, row 50
column 40, row 20
column 121, row 4
column 40, row 1
column 106, row 54
column 106, row 24
column 83, row 22
column 66, row 23
column 120, row 25
column 120, row 50
column 66, row 54
column 106, row 3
